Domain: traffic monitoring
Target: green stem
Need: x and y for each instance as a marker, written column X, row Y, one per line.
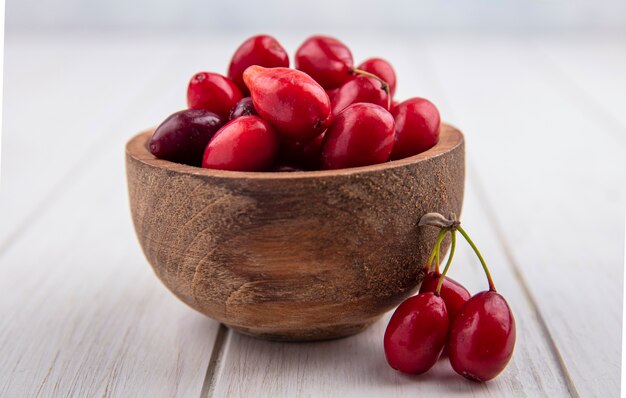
column 435, row 251
column 447, row 267
column 492, row 287
column 383, row 84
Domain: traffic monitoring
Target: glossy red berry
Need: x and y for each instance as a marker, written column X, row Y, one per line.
column 417, row 127
column 452, row 292
column 325, row 59
column 360, row 89
column 247, row 143
column 482, row 337
column 183, row 136
column 213, row 92
column 382, row 69
column 416, row 333
column 303, row 155
column 244, row 107
column 290, row 100
column 263, row 50
column 394, row 104
column 361, row 135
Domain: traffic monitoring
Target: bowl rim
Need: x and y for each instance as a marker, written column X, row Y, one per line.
column 450, row 138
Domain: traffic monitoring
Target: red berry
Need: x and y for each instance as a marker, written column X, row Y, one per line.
column 382, row 69
column 325, row 59
column 452, row 292
column 394, row 104
column 417, row 127
column 244, row 107
column 263, row 50
column 482, row 337
column 304, row 155
column 213, row 92
column 290, row 100
column 359, row 89
column 247, row 143
column 359, row 136
column 416, row 333
column 183, row 136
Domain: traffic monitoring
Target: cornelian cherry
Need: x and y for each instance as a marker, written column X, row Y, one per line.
column 247, row 143
column 416, row 333
column 482, row 337
column 452, row 292
column 359, row 136
column 213, row 92
column 290, row 100
column 244, row 107
column 417, row 127
column 325, row 59
column 183, row 136
column 360, row 89
column 263, row 50
column 382, row 69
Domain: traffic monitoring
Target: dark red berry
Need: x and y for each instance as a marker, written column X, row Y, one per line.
column 247, row 143
column 417, row 127
column 361, row 135
column 416, row 333
column 304, row 155
column 213, row 92
column 325, row 59
column 183, row 136
column 382, row 69
column 244, row 107
column 452, row 292
column 482, row 337
column 263, row 50
column 290, row 100
column 359, row 89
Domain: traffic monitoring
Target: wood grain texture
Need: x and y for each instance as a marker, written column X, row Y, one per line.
column 293, row 256
column 356, row 366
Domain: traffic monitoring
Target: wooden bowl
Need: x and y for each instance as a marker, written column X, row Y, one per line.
column 293, row 255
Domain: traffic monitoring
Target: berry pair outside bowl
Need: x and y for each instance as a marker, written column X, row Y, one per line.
column 293, row 256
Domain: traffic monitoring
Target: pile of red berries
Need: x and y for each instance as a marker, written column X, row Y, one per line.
column 478, row 331
column 324, row 114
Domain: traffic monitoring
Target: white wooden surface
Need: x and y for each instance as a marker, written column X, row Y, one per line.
column 83, row 315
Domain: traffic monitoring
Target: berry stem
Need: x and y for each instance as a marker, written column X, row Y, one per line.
column 435, row 252
column 492, row 287
column 447, row 267
column 383, row 84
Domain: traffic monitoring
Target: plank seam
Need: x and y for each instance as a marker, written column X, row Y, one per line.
column 75, row 171
column 210, row 377
column 513, row 264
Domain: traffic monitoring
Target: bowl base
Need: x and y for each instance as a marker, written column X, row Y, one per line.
column 309, row 334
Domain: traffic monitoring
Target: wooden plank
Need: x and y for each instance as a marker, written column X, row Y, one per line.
column 82, row 312
column 356, row 366
column 551, row 178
